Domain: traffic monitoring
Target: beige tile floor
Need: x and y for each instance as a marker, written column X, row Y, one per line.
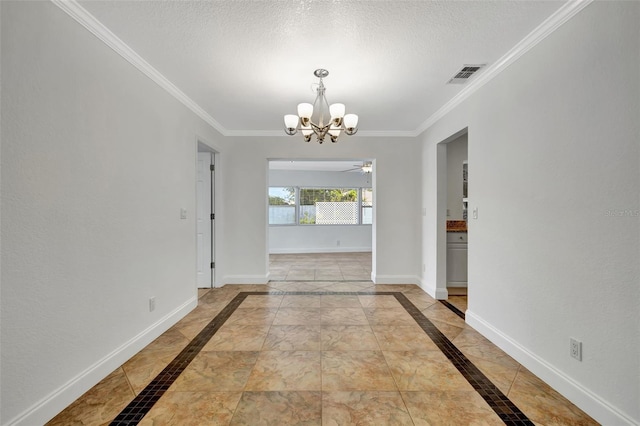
column 321, row 360
column 320, row 267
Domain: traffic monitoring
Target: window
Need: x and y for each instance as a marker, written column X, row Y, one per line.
column 367, row 206
column 328, row 206
column 320, row 206
column 282, row 206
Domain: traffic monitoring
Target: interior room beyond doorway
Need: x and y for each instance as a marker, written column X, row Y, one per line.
column 321, row 219
column 320, row 267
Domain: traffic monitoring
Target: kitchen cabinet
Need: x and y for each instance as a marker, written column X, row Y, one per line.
column 457, row 259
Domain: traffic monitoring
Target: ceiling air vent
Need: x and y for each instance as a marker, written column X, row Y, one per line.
column 465, row 73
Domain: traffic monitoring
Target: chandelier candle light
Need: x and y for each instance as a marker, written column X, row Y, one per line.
column 320, row 118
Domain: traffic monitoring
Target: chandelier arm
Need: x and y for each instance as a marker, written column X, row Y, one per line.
column 320, row 132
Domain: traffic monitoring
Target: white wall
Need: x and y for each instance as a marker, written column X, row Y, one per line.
column 319, row 238
column 456, row 155
column 553, row 154
column 395, row 234
column 97, row 162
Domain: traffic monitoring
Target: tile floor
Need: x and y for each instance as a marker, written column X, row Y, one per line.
column 320, row 267
column 297, row 353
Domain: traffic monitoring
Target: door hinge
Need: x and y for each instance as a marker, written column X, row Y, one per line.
column 213, row 216
column 213, row 265
column 212, row 167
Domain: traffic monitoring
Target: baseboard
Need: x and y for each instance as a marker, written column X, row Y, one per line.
column 395, row 279
column 436, row 293
column 589, row 402
column 320, row 250
column 48, row 407
column 245, row 279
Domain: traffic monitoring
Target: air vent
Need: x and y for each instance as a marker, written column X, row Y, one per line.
column 465, row 73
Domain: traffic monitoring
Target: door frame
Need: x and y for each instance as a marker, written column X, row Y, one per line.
column 204, row 147
column 441, row 214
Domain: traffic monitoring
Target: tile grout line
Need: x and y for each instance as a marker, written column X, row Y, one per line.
column 508, row 412
column 126, row 376
column 514, row 378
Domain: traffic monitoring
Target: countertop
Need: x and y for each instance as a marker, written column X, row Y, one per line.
column 456, row 226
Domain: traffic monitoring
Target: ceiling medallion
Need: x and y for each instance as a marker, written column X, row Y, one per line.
column 320, row 118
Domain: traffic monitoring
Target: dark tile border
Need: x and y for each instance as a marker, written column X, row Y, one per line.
column 141, row 404
column 453, row 309
column 500, row 403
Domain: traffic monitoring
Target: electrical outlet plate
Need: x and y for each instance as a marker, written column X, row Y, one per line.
column 575, row 349
column 152, row 304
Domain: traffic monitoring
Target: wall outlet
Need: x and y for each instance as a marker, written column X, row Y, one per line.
column 575, row 349
column 183, row 213
column 152, row 304
column 338, row 243
column 475, row 213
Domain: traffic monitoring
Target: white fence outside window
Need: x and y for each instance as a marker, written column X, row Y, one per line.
column 336, row 213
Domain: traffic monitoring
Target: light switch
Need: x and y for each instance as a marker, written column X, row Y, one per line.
column 475, row 213
column 183, row 213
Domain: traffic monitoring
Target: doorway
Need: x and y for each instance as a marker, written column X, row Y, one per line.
column 205, row 217
column 452, row 202
column 320, row 221
column 457, row 202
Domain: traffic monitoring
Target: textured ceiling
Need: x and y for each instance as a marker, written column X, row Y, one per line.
column 247, row 63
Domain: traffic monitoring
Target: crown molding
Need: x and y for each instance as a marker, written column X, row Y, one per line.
column 84, row 18
column 562, row 15
column 387, row 133
column 361, row 133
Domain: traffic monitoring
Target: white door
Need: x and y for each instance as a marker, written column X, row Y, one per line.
column 212, row 227
column 203, row 221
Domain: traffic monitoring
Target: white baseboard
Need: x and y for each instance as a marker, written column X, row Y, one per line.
column 245, row 279
column 589, row 402
column 436, row 293
column 49, row 406
column 320, row 250
column 395, row 279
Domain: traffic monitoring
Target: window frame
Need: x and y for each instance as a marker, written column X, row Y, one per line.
column 295, row 205
column 359, row 201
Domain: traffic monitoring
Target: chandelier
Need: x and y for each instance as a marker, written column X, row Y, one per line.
column 320, row 118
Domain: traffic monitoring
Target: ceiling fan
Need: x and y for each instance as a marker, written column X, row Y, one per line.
column 365, row 167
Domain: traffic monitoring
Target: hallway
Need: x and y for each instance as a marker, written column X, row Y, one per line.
column 321, row 353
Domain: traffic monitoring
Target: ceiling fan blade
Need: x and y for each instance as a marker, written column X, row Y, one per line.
column 350, row 170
